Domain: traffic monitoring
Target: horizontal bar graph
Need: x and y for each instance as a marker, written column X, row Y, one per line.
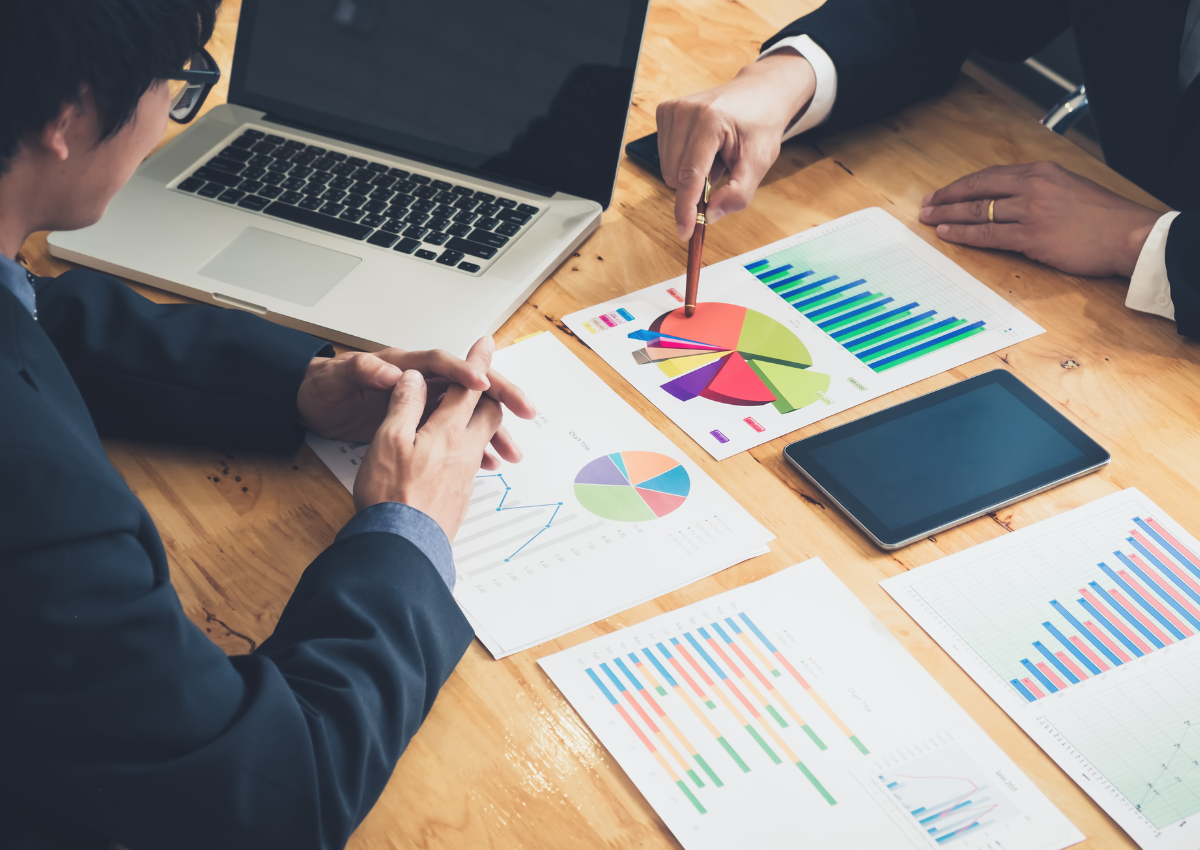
column 1146, row 599
column 880, row 329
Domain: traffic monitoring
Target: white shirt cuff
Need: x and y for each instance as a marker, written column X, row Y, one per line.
column 826, row 91
column 1149, row 288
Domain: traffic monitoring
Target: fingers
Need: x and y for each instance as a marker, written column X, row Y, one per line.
column 437, row 364
column 510, row 395
column 506, row 446
column 748, row 171
column 972, row 212
column 1005, row 237
column 1001, row 181
column 695, row 163
column 484, row 423
column 406, row 407
column 370, row 371
column 460, row 402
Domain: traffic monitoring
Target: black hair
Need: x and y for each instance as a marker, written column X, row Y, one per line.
column 51, row 49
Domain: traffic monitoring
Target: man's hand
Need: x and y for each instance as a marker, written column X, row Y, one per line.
column 1045, row 212
column 738, row 126
column 430, row 466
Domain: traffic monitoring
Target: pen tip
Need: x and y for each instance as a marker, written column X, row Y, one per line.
column 688, row 310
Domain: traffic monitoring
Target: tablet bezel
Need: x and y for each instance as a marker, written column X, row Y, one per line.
column 799, row 455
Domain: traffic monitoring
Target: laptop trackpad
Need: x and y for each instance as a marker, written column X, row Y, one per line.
column 278, row 266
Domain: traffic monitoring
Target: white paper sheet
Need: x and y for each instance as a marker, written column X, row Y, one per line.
column 1082, row 628
column 872, row 308
column 782, row 714
column 563, row 538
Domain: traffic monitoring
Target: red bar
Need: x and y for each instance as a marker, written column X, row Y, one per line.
column 1051, row 675
column 1167, row 586
column 695, row 666
column 1087, row 653
column 753, row 668
column 795, row 674
column 1168, row 562
column 1153, row 600
column 1116, row 620
column 1071, row 665
column 683, row 674
column 1167, row 536
column 1098, row 633
column 637, row 729
column 1133, row 609
column 641, row 712
column 1033, row 688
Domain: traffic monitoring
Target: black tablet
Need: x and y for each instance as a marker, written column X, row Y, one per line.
column 931, row 463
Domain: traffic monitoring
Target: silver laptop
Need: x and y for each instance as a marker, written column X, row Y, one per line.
column 386, row 172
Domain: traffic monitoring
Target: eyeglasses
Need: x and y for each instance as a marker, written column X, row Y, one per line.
column 190, row 86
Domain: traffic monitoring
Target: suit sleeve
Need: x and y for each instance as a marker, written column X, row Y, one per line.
column 174, row 372
column 120, row 714
column 1183, row 271
column 891, row 53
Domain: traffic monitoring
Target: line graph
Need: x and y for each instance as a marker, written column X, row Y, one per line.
column 500, row 507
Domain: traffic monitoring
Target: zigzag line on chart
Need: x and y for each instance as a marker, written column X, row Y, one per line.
column 500, row 507
column 1167, row 770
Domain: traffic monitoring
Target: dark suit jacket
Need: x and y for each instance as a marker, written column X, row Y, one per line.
column 118, row 718
column 890, row 53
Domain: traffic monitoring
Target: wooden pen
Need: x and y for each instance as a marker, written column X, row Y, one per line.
column 695, row 252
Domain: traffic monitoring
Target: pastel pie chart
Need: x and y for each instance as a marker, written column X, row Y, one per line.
column 632, row 486
column 732, row 355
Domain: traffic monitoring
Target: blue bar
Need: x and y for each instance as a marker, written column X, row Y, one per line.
column 661, row 669
column 776, row 270
column 1037, row 674
column 800, row 289
column 930, row 343
column 788, row 281
column 1175, row 553
column 1158, row 588
column 664, row 650
column 733, row 625
column 1141, row 600
column 696, row 645
column 721, row 632
column 844, row 333
column 863, row 355
column 770, row 646
column 1113, row 630
column 1098, row 644
column 756, row 264
column 837, row 307
column 1058, row 665
column 945, row 811
column 1023, row 691
column 628, row 674
column 858, row 312
column 1127, row 614
column 802, row 304
column 1071, row 648
column 600, row 685
column 612, row 676
column 917, row 810
column 621, row 311
column 1180, row 583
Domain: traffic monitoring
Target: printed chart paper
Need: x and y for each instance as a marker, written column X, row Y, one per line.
column 784, row 715
column 799, row 330
column 603, row 513
column 1083, row 628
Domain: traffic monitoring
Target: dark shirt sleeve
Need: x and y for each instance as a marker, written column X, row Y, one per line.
column 175, row 372
column 891, row 53
column 1183, row 271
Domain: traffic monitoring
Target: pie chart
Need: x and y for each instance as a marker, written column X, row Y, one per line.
column 731, row 355
column 632, row 486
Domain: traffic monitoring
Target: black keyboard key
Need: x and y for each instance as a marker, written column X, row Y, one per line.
column 473, row 249
column 440, row 184
column 311, row 203
column 351, row 215
column 301, row 171
column 263, row 148
column 513, row 216
column 271, row 192
column 458, row 230
column 294, row 145
column 414, row 217
column 344, row 169
column 260, row 161
column 439, row 224
column 213, row 176
column 320, row 178
column 374, row 206
column 405, row 186
column 461, row 190
column 506, row 202
column 485, row 238
column 336, row 156
column 382, row 239
column 446, row 197
column 313, row 149
column 317, row 220
column 422, row 205
column 252, row 134
column 275, row 140
column 253, row 173
column 253, row 202
column 211, row 190
column 469, row 267
column 251, row 186
column 362, row 188
column 191, row 184
column 273, row 178
column 235, row 154
column 231, row 166
column 291, row 197
column 425, row 192
column 373, row 219
column 341, row 183
column 324, row 163
column 418, row 178
column 385, row 180
column 398, row 173
column 334, row 195
column 381, row 194
column 465, row 217
column 414, row 231
column 356, row 161
column 279, row 166
column 527, row 209
column 407, row 246
column 312, row 191
column 485, row 197
column 231, row 196
column 355, row 201
column 488, row 209
column 304, row 158
column 377, row 166
column 444, row 211
column 466, row 204
column 243, row 141
column 392, row 225
column 436, row 238
column 293, row 183
column 331, row 208
column 508, row 228
column 425, row 255
column 486, row 223
column 450, row 257
column 396, row 211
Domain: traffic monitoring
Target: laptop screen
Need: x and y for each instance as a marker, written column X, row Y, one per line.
column 527, row 92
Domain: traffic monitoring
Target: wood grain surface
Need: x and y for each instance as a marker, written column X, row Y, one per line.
column 503, row 761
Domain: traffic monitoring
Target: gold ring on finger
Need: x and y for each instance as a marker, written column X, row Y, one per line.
column 992, row 211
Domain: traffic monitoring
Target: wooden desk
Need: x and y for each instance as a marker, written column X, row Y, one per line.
column 503, row 761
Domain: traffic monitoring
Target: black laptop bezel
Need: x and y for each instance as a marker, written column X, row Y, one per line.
column 354, row 132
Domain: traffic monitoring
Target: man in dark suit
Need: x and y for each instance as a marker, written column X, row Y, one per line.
column 852, row 61
column 119, row 720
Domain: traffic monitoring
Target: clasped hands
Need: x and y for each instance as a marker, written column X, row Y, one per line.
column 429, row 417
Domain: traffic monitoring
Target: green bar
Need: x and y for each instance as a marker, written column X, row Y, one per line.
column 859, row 744
column 776, row 673
column 851, row 346
column 711, row 704
column 733, row 755
column 820, row 744
column 773, row 276
column 661, row 690
column 817, row 305
column 792, row 299
column 699, row 782
column 932, row 332
column 935, row 348
column 709, row 771
column 850, row 302
column 879, row 323
column 687, row 792
column 808, row 773
column 775, row 714
column 763, row 744
column 852, row 319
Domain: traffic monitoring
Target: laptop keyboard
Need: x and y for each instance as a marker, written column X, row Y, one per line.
column 355, row 198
